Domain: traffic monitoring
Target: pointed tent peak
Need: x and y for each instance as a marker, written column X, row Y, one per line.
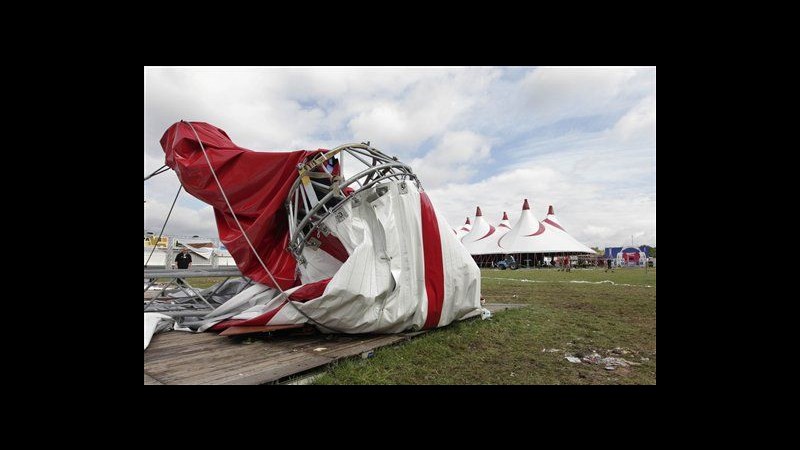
column 467, row 222
column 526, row 205
column 550, row 210
column 478, row 212
column 505, row 216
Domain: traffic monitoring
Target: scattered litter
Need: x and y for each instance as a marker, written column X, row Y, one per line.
column 550, row 350
column 644, row 359
column 573, row 359
column 319, row 349
column 618, row 351
column 594, row 358
column 609, row 367
column 485, row 314
column 512, row 374
column 368, row 354
column 608, row 361
column 571, row 281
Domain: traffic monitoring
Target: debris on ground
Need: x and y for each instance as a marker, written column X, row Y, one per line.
column 319, row 349
column 550, row 350
column 609, row 367
column 618, row 351
column 608, row 361
column 573, row 359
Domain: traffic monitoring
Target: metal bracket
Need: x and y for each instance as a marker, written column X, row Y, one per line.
column 340, row 215
column 313, row 243
column 301, row 260
column 324, row 229
column 403, row 188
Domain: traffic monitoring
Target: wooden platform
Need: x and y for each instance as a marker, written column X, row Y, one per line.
column 177, row 357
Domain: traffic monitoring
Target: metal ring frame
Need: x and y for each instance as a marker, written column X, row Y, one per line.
column 307, row 211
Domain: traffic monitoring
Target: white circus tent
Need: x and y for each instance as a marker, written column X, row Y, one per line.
column 526, row 236
column 505, row 223
column 461, row 232
column 482, row 238
column 559, row 237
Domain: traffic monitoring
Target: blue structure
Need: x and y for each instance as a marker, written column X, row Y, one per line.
column 611, row 252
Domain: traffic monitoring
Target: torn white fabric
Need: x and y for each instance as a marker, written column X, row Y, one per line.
column 154, row 322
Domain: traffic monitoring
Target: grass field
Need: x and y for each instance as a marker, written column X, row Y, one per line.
column 561, row 317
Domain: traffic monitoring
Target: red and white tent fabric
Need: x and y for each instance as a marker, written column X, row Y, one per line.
column 461, row 232
column 527, row 235
column 505, row 223
column 482, row 238
column 559, row 236
column 395, row 263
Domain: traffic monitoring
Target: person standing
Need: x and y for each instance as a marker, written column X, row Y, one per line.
column 184, row 261
column 608, row 265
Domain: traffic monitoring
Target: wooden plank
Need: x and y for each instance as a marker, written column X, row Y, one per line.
column 274, row 372
column 205, row 358
column 233, row 331
column 337, row 350
column 150, row 380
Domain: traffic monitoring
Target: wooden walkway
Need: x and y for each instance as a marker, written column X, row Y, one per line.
column 177, row 357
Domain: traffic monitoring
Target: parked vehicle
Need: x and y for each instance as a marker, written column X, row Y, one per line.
column 508, row 263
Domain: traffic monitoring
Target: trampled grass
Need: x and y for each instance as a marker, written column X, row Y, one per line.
column 561, row 317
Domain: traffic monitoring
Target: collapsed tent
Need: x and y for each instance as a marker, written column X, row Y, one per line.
column 366, row 253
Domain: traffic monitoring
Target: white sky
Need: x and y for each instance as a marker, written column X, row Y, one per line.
column 581, row 139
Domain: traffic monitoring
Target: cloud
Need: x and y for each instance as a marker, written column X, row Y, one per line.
column 583, row 206
column 557, row 93
column 456, row 158
column 638, row 124
column 582, row 139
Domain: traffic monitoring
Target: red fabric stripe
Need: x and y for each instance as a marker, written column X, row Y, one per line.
column 333, row 246
column 491, row 230
column 255, row 321
column 307, row 292
column 554, row 224
column 434, row 265
column 538, row 232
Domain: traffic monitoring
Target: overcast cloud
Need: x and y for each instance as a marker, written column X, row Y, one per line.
column 581, row 139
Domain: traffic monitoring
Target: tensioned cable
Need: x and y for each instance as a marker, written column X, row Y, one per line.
column 247, row 238
column 161, row 169
column 165, row 224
